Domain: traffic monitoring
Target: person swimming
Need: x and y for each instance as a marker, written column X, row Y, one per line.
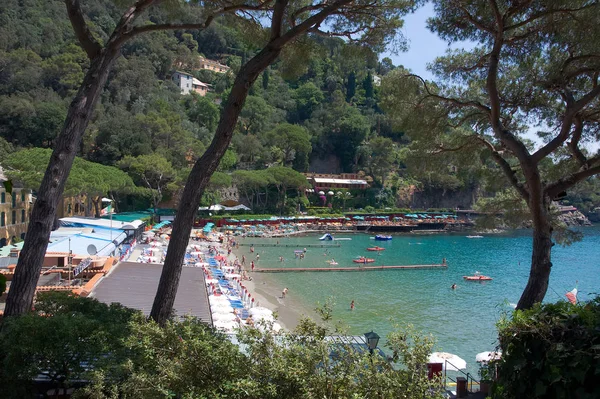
column 453, row 286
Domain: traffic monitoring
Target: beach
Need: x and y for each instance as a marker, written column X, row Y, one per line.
column 267, row 292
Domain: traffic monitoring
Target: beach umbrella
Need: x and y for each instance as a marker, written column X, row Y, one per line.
column 321, row 193
column 211, row 281
column 218, row 299
column 485, row 357
column 221, row 308
column 233, row 275
column 276, row 327
column 266, row 317
column 260, row 310
column 450, row 362
column 225, row 325
column 223, row 317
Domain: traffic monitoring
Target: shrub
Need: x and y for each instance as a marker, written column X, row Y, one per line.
column 550, row 351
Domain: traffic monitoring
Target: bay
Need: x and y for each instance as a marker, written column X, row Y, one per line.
column 461, row 320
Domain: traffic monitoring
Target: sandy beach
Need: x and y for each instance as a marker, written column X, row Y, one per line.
column 267, row 294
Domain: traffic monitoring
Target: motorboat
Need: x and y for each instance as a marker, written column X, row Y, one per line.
column 474, row 236
column 362, row 259
column 380, row 237
column 375, row 249
column 477, row 277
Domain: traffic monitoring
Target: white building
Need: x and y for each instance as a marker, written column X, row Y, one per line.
column 188, row 83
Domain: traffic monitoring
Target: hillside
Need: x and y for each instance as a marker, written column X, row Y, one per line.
column 317, row 109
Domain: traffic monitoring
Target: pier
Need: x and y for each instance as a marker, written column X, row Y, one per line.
column 291, row 245
column 349, row 269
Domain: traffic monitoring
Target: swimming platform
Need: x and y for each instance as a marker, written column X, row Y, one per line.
column 349, row 269
column 291, row 245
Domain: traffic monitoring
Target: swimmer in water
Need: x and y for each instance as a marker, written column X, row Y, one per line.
column 453, row 286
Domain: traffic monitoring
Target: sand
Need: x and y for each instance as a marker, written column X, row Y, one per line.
column 289, row 311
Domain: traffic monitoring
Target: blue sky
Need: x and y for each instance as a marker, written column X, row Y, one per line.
column 424, row 46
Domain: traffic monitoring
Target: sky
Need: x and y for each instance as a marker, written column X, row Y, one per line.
column 424, row 46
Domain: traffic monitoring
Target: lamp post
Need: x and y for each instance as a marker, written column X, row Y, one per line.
column 372, row 340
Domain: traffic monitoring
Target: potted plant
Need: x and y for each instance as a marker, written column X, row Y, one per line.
column 486, row 377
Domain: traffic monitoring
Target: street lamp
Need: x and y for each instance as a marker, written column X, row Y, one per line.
column 372, row 341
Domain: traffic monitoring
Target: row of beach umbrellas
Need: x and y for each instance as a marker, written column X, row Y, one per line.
column 451, row 362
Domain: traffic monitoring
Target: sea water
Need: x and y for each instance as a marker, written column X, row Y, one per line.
column 463, row 320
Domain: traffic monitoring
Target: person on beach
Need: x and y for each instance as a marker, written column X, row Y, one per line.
column 257, row 257
column 252, row 265
column 352, row 305
column 244, row 260
column 284, row 292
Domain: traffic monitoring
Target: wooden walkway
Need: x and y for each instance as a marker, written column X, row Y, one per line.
column 349, row 269
column 290, row 245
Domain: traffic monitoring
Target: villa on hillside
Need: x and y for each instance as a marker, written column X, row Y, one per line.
column 214, row 66
column 322, row 181
column 187, row 83
column 14, row 212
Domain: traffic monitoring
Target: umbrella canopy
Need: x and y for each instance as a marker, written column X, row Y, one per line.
column 218, row 299
column 221, row 308
column 260, row 310
column 485, row 357
column 449, row 361
column 223, row 317
column 226, row 325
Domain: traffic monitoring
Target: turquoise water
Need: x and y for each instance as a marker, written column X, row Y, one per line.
column 461, row 320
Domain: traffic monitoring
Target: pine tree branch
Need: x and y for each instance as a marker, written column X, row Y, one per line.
column 567, row 123
column 574, row 143
column 552, row 190
column 451, row 100
column 506, row 168
column 89, row 44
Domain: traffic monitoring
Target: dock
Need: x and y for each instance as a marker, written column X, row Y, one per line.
column 291, row 245
column 349, row 269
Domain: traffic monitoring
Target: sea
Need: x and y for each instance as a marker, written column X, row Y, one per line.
column 462, row 321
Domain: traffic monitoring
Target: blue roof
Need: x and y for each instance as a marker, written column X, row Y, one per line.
column 79, row 243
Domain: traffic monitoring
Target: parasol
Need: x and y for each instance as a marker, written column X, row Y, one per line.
column 450, row 362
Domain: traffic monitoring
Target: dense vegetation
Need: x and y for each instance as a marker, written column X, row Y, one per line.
column 113, row 352
column 324, row 113
column 550, row 351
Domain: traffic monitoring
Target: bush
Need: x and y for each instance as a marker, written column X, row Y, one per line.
column 550, row 351
column 2, row 283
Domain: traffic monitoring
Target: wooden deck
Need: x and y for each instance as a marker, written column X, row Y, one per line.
column 349, row 269
column 291, row 245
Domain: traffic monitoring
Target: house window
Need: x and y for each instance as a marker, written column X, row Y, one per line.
column 76, row 208
column 14, row 217
column 2, row 219
column 14, row 199
column 2, row 198
column 68, row 209
column 22, row 196
column 22, row 215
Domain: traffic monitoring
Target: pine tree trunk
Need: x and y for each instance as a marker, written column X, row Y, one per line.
column 198, row 179
column 541, row 264
column 29, row 266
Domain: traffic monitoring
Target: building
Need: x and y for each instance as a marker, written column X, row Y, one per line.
column 214, row 66
column 376, row 80
column 187, row 83
column 324, row 181
column 15, row 208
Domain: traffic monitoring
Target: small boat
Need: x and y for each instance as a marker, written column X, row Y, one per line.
column 372, row 249
column 362, row 259
column 474, row 236
column 380, row 237
column 477, row 277
column 332, row 263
